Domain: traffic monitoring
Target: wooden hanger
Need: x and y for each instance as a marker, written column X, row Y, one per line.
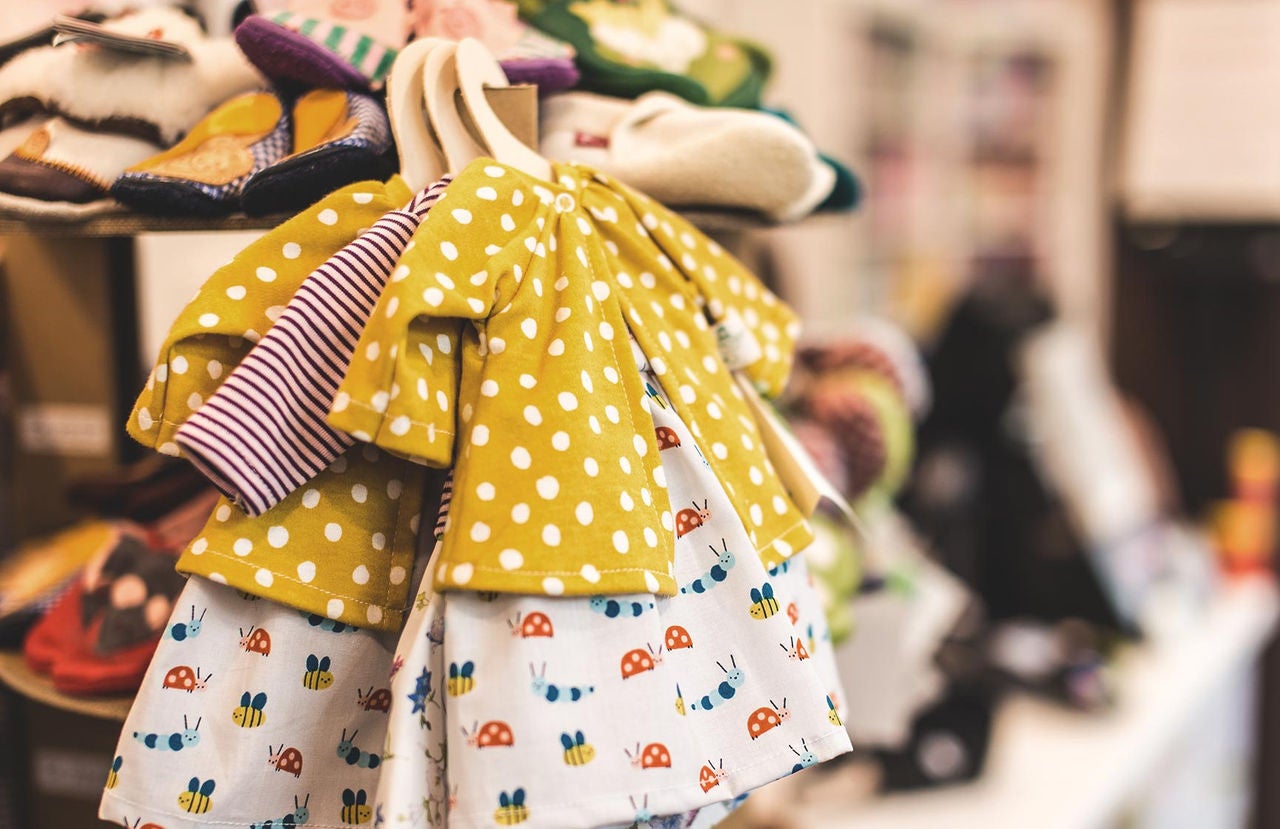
column 477, row 69
column 421, row 160
column 440, row 92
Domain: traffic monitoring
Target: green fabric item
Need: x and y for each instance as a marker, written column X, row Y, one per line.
column 627, row 49
column 846, row 194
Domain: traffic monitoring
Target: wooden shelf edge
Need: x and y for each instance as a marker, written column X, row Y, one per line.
column 15, row 674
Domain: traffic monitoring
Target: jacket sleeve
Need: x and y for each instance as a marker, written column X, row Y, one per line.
column 401, row 389
column 240, row 301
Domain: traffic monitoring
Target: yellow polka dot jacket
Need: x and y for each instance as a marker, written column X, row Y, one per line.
column 499, row 346
column 532, row 286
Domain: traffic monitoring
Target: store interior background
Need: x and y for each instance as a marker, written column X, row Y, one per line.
column 1118, row 162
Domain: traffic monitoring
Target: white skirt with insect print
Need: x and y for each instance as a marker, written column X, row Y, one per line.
column 571, row 712
column 252, row 714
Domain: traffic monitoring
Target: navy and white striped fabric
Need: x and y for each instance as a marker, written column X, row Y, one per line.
column 263, row 433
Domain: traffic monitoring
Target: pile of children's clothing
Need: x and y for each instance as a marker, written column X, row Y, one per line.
column 603, row 620
column 292, row 107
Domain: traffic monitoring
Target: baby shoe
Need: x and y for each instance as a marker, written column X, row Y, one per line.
column 689, row 156
column 527, row 55
column 627, row 49
column 287, row 46
column 205, row 173
column 64, row 171
column 148, row 97
column 339, row 137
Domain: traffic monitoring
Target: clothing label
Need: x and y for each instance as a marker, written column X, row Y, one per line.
column 585, row 139
column 738, row 346
column 66, row 429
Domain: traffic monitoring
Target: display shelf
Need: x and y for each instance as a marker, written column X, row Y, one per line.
column 122, row 222
column 1056, row 769
column 15, row 674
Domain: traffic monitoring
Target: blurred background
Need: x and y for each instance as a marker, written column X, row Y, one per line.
column 1040, row 361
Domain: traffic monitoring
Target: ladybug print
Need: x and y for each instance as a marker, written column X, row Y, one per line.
column 667, row 438
column 690, row 518
column 637, row 661
column 652, row 756
column 711, row 775
column 288, row 760
column 184, row 678
column 535, row 625
column 379, row 700
column 793, row 613
column 677, row 638
column 493, row 734
column 256, row 640
column 764, row 719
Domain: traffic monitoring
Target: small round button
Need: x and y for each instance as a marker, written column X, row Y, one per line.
column 565, row 202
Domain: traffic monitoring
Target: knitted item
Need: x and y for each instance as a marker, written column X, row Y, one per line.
column 627, row 49
column 684, row 155
column 286, row 46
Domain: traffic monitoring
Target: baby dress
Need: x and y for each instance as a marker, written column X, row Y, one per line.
column 593, row 711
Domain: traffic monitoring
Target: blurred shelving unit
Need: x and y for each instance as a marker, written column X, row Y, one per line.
column 1051, row 768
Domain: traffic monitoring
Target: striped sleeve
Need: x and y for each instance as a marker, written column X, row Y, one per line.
column 263, row 434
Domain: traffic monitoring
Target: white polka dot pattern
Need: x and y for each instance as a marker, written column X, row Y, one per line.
column 564, row 405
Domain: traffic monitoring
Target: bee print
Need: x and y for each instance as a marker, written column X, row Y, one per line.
column 765, row 719
column 421, row 692
column 188, row 737
column 494, row 734
column 461, row 679
column 557, row 693
column 797, row 652
column 677, row 637
column 371, row 700
column 689, row 519
column 256, row 640
column 577, row 751
column 511, row 809
column 325, row 623
column 711, row 775
column 643, row 816
column 317, row 676
column 733, row 680
column 354, row 807
column 534, row 625
column 182, row 631
column 763, row 604
column 288, row 760
column 249, row 713
column 718, row 572
column 183, row 678
column 613, row 609
column 113, row 776
column 636, row 661
column 679, row 701
column 652, row 756
column 654, row 395
column 196, row 799
column 833, row 713
column 807, row 757
column 780, row 568
column 298, row 817
column 667, row 438
column 353, row 756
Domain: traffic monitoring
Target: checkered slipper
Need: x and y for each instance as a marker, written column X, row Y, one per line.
column 339, row 137
column 287, row 46
column 206, row 172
